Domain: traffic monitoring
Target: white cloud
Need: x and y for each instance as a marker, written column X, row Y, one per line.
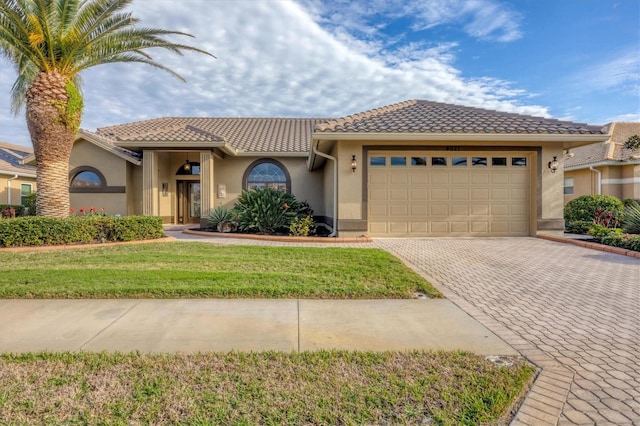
column 621, row 72
column 273, row 59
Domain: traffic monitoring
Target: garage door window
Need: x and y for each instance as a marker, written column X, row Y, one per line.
column 398, row 161
column 438, row 161
column 378, row 161
column 499, row 161
column 519, row 161
column 478, row 161
column 459, row 161
column 418, row 161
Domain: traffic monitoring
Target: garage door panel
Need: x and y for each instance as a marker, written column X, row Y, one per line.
column 449, row 201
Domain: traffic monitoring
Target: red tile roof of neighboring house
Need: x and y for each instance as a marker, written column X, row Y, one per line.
column 611, row 150
column 417, row 116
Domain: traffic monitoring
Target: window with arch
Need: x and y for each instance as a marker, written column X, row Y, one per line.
column 86, row 179
column 267, row 174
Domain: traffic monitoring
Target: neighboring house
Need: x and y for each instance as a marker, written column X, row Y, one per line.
column 414, row 168
column 17, row 180
column 605, row 168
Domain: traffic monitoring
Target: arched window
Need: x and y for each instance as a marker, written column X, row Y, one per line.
column 86, row 179
column 267, row 173
column 189, row 168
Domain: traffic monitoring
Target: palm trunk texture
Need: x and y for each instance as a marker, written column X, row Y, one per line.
column 52, row 140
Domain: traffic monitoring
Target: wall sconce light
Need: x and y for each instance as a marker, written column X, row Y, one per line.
column 354, row 163
column 187, row 166
column 553, row 164
column 165, row 189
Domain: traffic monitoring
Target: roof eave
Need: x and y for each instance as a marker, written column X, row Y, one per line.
column 272, row 154
column 568, row 140
column 604, row 163
column 90, row 137
column 19, row 174
column 178, row 145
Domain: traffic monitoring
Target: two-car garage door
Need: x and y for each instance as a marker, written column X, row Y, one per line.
column 448, row 193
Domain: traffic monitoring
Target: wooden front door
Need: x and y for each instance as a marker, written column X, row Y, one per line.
column 188, row 201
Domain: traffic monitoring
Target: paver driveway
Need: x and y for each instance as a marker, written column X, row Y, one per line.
column 573, row 311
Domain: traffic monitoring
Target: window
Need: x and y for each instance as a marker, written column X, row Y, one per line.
column 189, row 168
column 25, row 191
column 86, row 179
column 459, row 161
column 478, row 161
column 418, row 161
column 519, row 161
column 568, row 186
column 267, row 174
column 377, row 161
column 438, row 161
column 499, row 161
column 398, row 161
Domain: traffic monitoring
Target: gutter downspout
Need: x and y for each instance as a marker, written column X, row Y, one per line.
column 335, row 188
column 9, row 188
column 598, row 180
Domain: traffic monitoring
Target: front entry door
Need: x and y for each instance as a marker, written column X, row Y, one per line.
column 188, row 201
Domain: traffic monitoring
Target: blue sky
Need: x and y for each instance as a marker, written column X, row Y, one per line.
column 575, row 60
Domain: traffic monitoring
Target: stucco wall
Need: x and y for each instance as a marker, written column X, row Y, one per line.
column 15, row 186
column 305, row 185
column 114, row 170
column 583, row 183
column 618, row 181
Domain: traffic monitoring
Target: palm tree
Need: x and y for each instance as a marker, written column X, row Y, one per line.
column 49, row 43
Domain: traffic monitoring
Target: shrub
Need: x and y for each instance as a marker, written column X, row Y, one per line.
column 631, row 218
column 578, row 227
column 30, row 204
column 302, row 226
column 626, row 241
column 593, row 208
column 600, row 231
column 37, row 231
column 265, row 211
column 18, row 209
column 218, row 215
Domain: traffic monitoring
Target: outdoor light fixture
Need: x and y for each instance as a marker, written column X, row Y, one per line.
column 354, row 163
column 553, row 164
column 187, row 166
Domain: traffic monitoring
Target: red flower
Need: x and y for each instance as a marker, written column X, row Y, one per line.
column 101, row 209
column 72, row 210
column 82, row 210
column 92, row 210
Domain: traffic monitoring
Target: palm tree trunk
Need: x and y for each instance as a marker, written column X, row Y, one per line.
column 52, row 139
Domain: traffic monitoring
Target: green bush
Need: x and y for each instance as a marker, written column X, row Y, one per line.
column 631, row 218
column 302, row 226
column 19, row 209
column 38, row 231
column 626, row 241
column 265, row 211
column 600, row 231
column 578, row 227
column 592, row 208
column 218, row 215
column 30, row 204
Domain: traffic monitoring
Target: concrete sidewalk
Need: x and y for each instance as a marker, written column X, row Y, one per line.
column 193, row 325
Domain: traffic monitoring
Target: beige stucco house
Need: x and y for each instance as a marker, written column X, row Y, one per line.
column 17, row 180
column 416, row 168
column 605, row 168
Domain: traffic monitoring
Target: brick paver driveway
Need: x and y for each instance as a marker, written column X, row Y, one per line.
column 571, row 310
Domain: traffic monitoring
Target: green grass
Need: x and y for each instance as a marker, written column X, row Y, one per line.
column 271, row 388
column 178, row 269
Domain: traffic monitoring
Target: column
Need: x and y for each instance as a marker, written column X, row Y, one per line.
column 149, row 183
column 207, row 185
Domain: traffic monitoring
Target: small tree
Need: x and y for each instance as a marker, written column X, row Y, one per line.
column 633, row 142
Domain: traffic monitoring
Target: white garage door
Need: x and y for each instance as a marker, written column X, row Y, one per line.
column 448, row 193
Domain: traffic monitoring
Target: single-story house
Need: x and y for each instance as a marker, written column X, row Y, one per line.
column 17, row 180
column 605, row 168
column 415, row 168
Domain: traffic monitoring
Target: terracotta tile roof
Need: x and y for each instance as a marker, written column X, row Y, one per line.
column 10, row 156
column 418, row 116
column 290, row 135
column 611, row 150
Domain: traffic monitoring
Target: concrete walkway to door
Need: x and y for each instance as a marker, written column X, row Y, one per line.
column 573, row 311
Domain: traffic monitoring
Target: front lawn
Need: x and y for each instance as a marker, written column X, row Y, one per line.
column 194, row 270
column 324, row 387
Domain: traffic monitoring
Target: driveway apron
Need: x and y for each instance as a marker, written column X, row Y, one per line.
column 573, row 311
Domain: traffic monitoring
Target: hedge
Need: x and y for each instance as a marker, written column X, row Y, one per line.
column 626, row 241
column 40, row 231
